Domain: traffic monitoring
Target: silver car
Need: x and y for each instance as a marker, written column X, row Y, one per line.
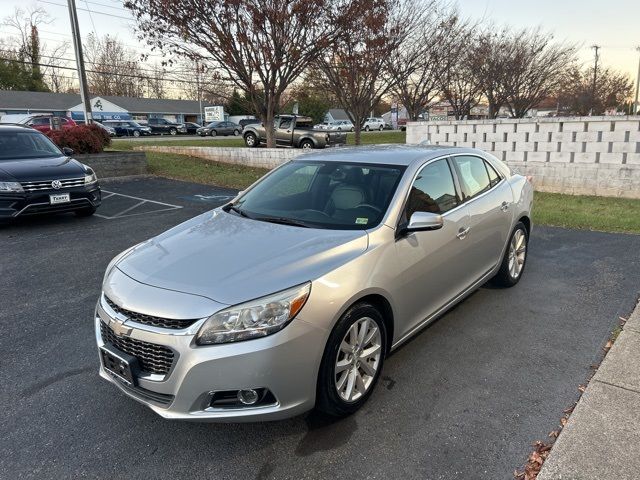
column 290, row 296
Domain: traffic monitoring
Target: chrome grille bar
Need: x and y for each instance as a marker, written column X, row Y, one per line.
column 46, row 184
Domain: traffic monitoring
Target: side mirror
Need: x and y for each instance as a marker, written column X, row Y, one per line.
column 67, row 151
column 421, row 221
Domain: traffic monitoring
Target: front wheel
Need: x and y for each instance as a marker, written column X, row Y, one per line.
column 352, row 361
column 136, row 133
column 250, row 140
column 515, row 258
column 366, row 129
column 173, row 131
column 381, row 127
column 213, row 133
column 306, row 145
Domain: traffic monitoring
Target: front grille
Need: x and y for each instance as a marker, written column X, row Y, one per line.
column 152, row 358
column 46, row 184
column 150, row 319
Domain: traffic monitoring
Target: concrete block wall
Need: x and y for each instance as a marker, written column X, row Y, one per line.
column 577, row 155
column 251, row 157
column 115, row 164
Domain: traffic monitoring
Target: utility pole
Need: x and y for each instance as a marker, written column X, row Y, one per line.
column 595, row 78
column 82, row 76
column 636, row 104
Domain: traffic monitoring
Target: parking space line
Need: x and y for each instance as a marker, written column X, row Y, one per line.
column 142, row 199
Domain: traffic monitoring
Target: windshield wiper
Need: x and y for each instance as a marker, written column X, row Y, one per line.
column 236, row 209
column 284, row 221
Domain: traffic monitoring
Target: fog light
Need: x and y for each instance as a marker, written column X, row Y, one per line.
column 248, row 397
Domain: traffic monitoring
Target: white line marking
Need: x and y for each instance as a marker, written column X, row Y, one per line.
column 130, row 208
column 144, row 199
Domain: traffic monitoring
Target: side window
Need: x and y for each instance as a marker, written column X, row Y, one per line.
column 474, row 178
column 285, row 123
column 494, row 178
column 433, row 190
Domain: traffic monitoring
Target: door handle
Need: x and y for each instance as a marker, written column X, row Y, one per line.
column 504, row 207
column 462, row 233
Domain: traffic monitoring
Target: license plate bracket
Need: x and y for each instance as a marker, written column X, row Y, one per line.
column 56, row 198
column 119, row 365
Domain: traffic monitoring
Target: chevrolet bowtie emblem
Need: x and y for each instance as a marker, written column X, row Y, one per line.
column 119, row 328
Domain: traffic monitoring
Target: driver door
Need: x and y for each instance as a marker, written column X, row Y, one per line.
column 284, row 132
column 432, row 267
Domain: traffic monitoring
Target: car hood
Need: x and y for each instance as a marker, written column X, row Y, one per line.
column 33, row 169
column 231, row 259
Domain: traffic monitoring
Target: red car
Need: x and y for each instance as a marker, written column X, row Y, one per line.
column 43, row 123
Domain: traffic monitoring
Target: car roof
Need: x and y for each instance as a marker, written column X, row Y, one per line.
column 392, row 154
column 16, row 127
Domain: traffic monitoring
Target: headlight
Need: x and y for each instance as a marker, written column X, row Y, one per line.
column 90, row 177
column 13, row 187
column 254, row 319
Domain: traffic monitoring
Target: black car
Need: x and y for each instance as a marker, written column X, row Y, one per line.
column 220, row 128
column 127, row 128
column 161, row 126
column 37, row 177
column 189, row 128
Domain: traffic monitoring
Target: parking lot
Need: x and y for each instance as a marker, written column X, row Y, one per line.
column 463, row 400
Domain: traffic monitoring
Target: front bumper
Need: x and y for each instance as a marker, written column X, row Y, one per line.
column 285, row 363
column 13, row 205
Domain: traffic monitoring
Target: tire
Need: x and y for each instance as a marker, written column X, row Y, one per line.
column 333, row 386
column 366, row 128
column 86, row 212
column 213, row 133
column 509, row 274
column 173, row 131
column 236, row 133
column 381, row 128
column 307, row 145
column 136, row 133
column 353, row 129
column 250, row 140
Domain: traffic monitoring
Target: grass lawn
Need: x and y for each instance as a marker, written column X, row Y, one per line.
column 587, row 212
column 368, row 138
column 182, row 167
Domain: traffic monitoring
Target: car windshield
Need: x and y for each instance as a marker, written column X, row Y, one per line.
column 330, row 195
column 134, row 124
column 214, row 124
column 25, row 145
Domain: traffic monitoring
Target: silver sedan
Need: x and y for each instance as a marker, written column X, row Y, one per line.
column 291, row 296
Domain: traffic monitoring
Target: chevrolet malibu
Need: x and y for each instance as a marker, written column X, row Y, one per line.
column 290, row 296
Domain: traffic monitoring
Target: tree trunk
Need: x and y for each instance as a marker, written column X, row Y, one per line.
column 269, row 124
column 357, row 129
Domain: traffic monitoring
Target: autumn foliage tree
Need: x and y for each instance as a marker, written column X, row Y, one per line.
column 260, row 46
column 355, row 68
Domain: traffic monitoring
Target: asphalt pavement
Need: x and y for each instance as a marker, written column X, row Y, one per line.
column 463, row 400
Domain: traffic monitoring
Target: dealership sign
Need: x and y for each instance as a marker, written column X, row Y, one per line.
column 214, row 114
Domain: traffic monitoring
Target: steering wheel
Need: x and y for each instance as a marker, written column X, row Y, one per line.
column 368, row 205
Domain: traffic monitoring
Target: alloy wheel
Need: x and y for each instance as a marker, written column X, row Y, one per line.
column 358, row 359
column 517, row 253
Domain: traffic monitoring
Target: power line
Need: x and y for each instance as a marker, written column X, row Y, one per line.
column 129, row 19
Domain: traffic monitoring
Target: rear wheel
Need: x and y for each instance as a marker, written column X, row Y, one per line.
column 236, row 132
column 515, row 258
column 352, row 361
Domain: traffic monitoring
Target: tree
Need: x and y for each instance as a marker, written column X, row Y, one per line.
column 537, row 67
column 417, row 65
column 356, row 67
column 261, row 46
column 576, row 94
column 310, row 103
column 27, row 50
column 457, row 80
column 112, row 68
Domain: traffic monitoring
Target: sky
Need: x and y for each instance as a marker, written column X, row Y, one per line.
column 612, row 24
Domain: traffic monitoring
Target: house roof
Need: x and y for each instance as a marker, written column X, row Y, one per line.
column 338, row 114
column 47, row 101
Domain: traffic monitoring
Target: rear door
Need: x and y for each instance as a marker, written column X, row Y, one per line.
column 489, row 200
column 431, row 266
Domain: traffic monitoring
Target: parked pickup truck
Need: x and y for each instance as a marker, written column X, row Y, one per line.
column 162, row 126
column 294, row 131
